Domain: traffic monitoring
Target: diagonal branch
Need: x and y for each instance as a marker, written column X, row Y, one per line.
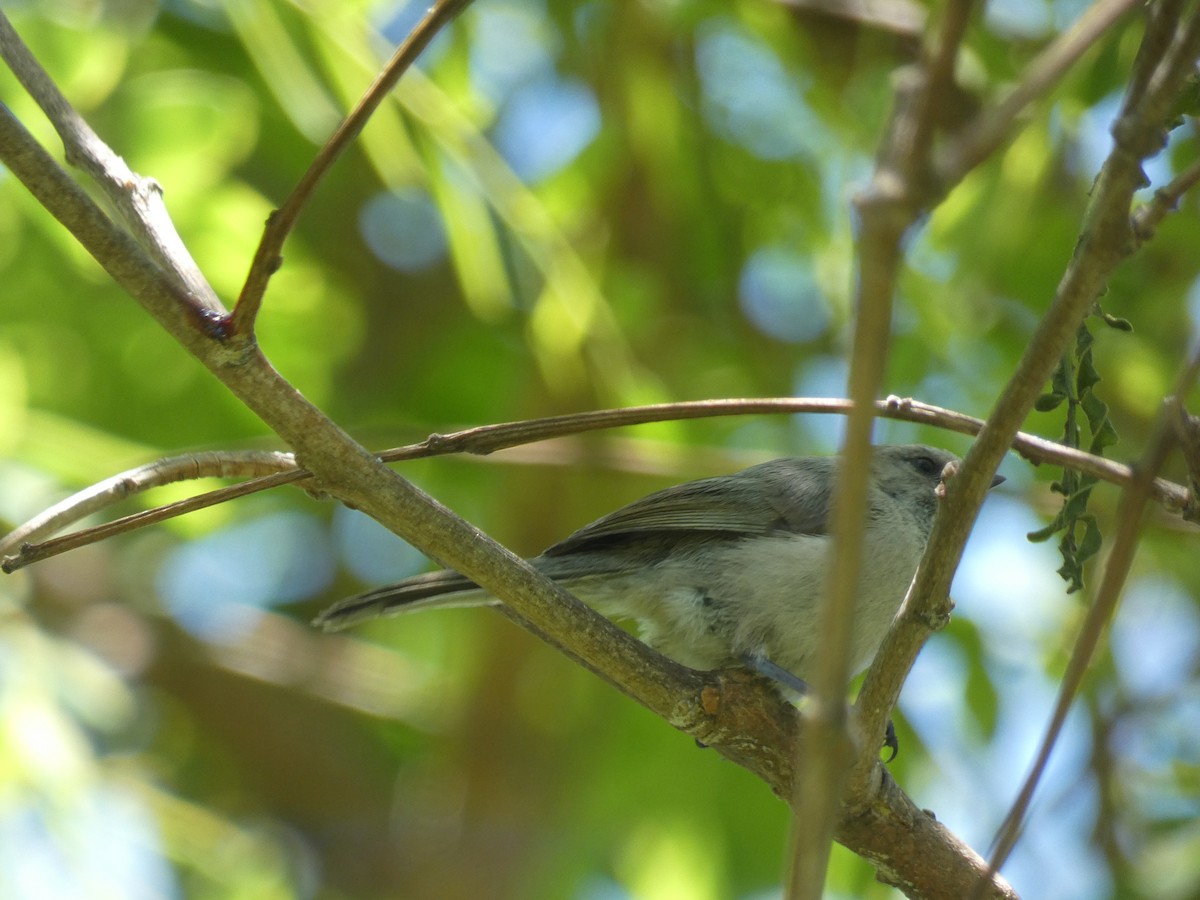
column 1130, row 518
column 138, row 200
column 267, row 258
column 992, row 128
column 1105, row 241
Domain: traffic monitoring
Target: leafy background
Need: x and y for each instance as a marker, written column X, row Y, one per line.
column 568, row 205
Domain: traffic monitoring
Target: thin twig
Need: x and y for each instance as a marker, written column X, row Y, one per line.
column 995, row 126
column 103, row 494
column 267, row 258
column 485, row 439
column 1148, row 216
column 888, row 209
column 1104, row 242
column 1130, row 519
column 136, row 199
column 939, row 82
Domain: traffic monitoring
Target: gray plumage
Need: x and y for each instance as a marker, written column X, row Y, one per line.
column 725, row 569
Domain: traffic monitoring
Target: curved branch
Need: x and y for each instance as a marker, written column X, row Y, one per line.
column 106, row 493
column 17, row 549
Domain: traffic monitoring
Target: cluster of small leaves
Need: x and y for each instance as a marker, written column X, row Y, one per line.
column 1074, row 382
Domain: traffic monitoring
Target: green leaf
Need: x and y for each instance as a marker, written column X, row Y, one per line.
column 1087, row 378
column 1075, row 380
column 1092, row 539
column 1105, row 437
column 1116, row 322
column 1061, row 381
column 1076, row 504
column 1040, row 537
column 1048, row 402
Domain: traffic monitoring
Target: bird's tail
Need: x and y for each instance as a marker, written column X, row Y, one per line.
column 444, row 590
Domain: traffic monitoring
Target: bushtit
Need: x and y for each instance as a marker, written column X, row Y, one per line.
column 725, row 570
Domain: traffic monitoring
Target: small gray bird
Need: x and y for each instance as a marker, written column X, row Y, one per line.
column 725, row 570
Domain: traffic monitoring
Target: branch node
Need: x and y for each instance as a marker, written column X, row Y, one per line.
column 710, row 699
column 937, row 618
column 15, row 561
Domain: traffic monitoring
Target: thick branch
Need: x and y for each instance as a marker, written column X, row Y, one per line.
column 1105, row 241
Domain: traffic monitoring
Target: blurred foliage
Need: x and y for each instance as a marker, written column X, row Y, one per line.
column 567, row 205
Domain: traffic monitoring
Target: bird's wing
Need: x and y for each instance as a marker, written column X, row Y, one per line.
column 758, row 501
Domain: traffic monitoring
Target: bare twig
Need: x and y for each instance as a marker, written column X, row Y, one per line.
column 1116, row 571
column 1148, row 216
column 888, row 208
column 486, row 439
column 1103, row 244
column 188, row 467
column 138, row 200
column 995, row 126
column 267, row 258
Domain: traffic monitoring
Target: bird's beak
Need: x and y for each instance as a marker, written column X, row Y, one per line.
column 999, row 479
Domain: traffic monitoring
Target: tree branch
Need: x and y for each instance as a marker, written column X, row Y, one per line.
column 888, row 208
column 993, row 127
column 1105, row 241
column 138, row 200
column 267, row 258
column 17, row 549
column 103, row 494
column 1130, row 518
column 1148, row 216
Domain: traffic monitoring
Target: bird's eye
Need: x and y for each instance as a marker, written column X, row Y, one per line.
column 926, row 465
